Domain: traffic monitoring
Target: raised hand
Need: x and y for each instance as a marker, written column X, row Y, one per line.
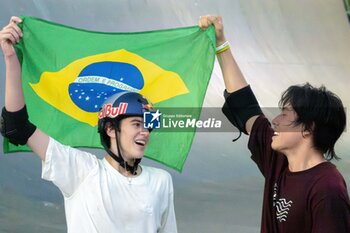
column 205, row 21
column 10, row 35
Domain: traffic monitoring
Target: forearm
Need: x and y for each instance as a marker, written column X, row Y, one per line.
column 234, row 81
column 14, row 101
column 14, row 98
column 233, row 77
column 15, row 124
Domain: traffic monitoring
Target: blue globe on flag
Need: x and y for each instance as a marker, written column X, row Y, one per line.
column 97, row 81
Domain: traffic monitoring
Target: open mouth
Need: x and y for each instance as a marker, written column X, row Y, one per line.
column 140, row 142
column 275, row 133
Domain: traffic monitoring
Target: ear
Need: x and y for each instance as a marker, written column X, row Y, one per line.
column 110, row 131
column 306, row 133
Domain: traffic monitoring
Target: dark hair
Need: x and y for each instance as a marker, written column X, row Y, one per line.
column 110, row 122
column 321, row 112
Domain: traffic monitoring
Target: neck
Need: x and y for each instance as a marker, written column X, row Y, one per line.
column 115, row 151
column 120, row 168
column 303, row 159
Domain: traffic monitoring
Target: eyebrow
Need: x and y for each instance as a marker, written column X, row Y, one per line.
column 136, row 120
column 287, row 108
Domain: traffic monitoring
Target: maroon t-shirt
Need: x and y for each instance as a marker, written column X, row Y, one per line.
column 310, row 201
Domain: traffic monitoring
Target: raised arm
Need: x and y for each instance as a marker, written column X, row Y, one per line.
column 16, row 126
column 233, row 77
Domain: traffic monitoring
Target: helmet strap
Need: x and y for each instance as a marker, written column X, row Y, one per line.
column 119, row 159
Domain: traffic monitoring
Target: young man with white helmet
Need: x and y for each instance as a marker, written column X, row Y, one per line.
column 114, row 194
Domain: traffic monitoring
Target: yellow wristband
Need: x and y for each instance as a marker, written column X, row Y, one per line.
column 222, row 48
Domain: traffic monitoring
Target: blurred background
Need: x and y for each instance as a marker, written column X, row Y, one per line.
column 277, row 43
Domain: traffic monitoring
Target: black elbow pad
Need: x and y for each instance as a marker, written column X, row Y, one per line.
column 16, row 127
column 240, row 106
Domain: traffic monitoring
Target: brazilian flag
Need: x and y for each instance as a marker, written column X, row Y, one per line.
column 67, row 73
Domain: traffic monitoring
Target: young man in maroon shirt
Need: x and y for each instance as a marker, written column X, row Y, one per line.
column 304, row 192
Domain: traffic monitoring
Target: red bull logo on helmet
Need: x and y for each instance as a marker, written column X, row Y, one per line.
column 147, row 107
column 108, row 110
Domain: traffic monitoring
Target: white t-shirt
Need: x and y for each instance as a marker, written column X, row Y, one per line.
column 99, row 199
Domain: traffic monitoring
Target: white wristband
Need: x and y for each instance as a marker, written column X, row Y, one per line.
column 225, row 44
